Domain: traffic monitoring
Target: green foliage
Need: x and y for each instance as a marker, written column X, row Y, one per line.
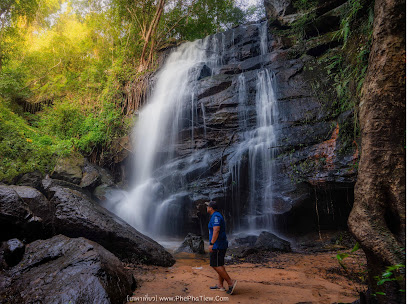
column 349, row 17
column 24, row 148
column 342, row 255
column 12, row 85
column 346, row 67
column 55, row 132
column 392, row 273
column 203, row 18
column 73, row 59
column 86, row 131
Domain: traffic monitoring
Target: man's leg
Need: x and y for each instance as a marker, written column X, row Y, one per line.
column 223, row 274
column 220, row 281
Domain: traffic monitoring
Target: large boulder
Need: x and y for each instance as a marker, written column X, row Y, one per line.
column 64, row 270
column 248, row 240
column 35, row 200
column 49, row 183
column 69, row 169
column 16, row 218
column 31, row 179
column 90, row 177
column 192, row 244
column 26, row 214
column 270, row 242
column 76, row 215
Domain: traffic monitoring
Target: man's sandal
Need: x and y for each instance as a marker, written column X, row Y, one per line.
column 231, row 288
column 216, row 287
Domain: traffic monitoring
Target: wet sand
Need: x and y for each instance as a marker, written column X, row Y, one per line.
column 283, row 278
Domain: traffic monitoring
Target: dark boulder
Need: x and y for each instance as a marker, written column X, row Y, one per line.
column 16, row 219
column 106, row 177
column 64, row 270
column 26, row 214
column 35, row 200
column 32, row 179
column 192, row 244
column 49, row 184
column 94, row 176
column 76, row 215
column 270, row 242
column 244, row 240
column 13, row 251
column 242, row 246
column 242, row 251
column 90, row 177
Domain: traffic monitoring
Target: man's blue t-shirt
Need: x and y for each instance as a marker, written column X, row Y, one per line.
column 218, row 220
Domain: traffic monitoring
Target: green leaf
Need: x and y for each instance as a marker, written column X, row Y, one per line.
column 341, row 256
column 387, row 274
column 356, row 247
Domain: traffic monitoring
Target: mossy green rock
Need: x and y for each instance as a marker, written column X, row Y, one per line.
column 69, row 169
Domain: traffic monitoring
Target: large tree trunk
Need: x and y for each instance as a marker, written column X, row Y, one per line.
column 378, row 216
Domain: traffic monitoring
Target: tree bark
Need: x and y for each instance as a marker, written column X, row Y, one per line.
column 378, row 217
column 150, row 34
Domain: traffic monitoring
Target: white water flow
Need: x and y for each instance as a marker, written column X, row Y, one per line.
column 156, row 133
column 263, row 35
column 242, row 103
column 261, row 155
column 253, row 161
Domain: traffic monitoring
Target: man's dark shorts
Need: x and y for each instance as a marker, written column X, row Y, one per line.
column 217, row 257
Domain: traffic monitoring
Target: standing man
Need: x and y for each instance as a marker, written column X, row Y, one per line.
column 218, row 247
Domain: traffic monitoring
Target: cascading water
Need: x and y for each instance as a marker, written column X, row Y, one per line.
column 263, row 35
column 257, row 148
column 173, row 106
column 261, row 155
column 162, row 193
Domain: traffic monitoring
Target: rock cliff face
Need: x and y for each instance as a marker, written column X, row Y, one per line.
column 309, row 168
column 298, row 178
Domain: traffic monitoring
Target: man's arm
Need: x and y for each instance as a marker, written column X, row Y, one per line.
column 216, row 232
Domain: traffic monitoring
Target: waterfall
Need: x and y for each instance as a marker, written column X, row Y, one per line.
column 263, row 35
column 169, row 155
column 254, row 155
column 156, row 133
column 258, row 146
column 261, row 155
column 242, row 102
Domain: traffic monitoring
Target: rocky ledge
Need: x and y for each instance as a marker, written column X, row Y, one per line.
column 59, row 245
column 65, row 270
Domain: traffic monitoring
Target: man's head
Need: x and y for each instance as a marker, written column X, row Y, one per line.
column 211, row 207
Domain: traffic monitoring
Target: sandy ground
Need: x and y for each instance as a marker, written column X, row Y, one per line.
column 282, row 278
